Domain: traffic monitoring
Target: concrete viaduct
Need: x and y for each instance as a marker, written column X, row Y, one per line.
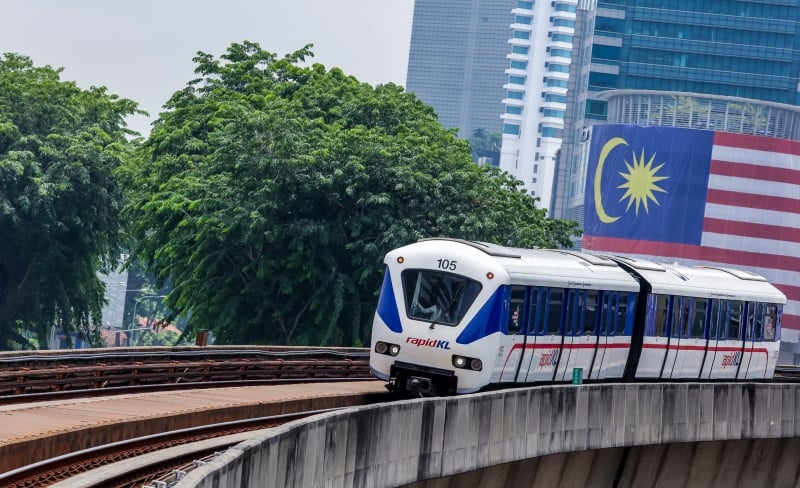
column 654, row 434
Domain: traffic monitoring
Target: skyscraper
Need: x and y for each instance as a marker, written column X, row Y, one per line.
column 457, row 60
column 704, row 62
column 535, row 99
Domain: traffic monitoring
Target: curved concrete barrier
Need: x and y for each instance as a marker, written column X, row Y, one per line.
column 399, row 443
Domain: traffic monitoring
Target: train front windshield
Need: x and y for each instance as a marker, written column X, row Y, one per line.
column 438, row 296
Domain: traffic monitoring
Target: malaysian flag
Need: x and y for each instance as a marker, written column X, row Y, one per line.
column 698, row 197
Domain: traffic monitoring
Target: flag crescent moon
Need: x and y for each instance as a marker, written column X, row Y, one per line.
column 598, row 201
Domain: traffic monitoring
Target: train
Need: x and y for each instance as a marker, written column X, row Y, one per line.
column 456, row 316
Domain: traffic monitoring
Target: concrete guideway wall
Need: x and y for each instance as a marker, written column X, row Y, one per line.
column 400, row 443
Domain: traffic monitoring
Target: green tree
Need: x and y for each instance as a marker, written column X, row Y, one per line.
column 59, row 200
column 486, row 145
column 272, row 191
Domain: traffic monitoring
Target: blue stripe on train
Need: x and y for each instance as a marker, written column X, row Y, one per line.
column 387, row 305
column 486, row 321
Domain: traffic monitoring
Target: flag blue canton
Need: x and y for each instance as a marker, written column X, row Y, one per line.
column 647, row 183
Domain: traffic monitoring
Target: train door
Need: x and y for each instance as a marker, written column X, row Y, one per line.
column 676, row 332
column 725, row 342
column 752, row 329
column 614, row 329
column 656, row 339
column 688, row 321
column 580, row 334
column 512, row 337
column 763, row 346
column 543, row 350
column 605, row 329
column 533, row 314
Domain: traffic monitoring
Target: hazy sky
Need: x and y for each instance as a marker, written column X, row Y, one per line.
column 143, row 49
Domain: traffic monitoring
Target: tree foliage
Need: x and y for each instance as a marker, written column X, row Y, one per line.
column 59, row 200
column 271, row 192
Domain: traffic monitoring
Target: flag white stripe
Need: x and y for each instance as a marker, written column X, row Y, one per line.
column 755, row 157
column 753, row 215
column 773, row 275
column 751, row 244
column 751, row 186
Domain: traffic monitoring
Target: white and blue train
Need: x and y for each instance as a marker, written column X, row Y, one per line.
column 458, row 316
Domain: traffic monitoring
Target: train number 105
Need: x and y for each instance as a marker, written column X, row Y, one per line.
column 446, row 264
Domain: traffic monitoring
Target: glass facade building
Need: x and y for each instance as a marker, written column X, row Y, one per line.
column 722, row 64
column 457, row 60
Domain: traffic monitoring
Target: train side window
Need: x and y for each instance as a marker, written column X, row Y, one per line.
column 590, row 312
column 621, row 316
column 677, row 318
column 606, row 326
column 770, row 321
column 735, row 320
column 573, row 312
column 515, row 309
column 758, row 324
column 698, row 317
column 716, row 317
column 534, row 311
column 661, row 316
column 554, row 306
column 750, row 321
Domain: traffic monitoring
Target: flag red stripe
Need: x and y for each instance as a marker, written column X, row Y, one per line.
column 751, row 200
column 790, row 322
column 748, row 229
column 754, row 172
column 687, row 251
column 769, row 144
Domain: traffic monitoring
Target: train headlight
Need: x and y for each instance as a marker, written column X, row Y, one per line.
column 387, row 348
column 462, row 362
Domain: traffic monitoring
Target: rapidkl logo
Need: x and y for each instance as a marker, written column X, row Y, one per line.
column 731, row 359
column 435, row 343
column 549, row 358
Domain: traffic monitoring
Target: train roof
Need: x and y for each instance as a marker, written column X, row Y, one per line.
column 555, row 267
column 703, row 281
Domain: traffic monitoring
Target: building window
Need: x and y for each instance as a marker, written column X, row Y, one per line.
column 522, row 35
column 512, row 129
column 564, row 23
column 551, row 132
column 516, row 80
column 514, row 95
column 519, row 65
column 520, row 49
column 523, row 19
column 557, row 37
column 549, row 112
column 557, row 83
column 552, row 97
column 535, row 168
column 561, row 53
column 565, row 7
column 558, row 68
column 511, row 109
column 525, row 4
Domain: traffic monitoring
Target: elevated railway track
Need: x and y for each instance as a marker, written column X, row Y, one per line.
column 70, row 412
column 62, row 374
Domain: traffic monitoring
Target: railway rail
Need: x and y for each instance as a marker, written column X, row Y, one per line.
column 51, row 471
column 61, row 374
